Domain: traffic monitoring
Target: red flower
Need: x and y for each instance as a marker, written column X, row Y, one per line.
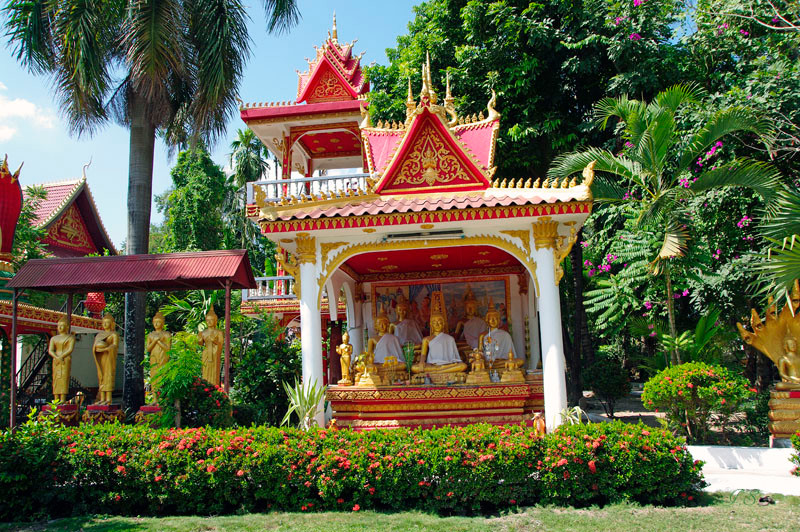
column 211, row 469
column 73, row 450
column 121, row 469
column 239, row 473
column 449, row 493
column 512, row 501
column 356, row 508
column 340, row 500
column 158, row 478
column 592, row 466
column 566, row 475
column 562, row 462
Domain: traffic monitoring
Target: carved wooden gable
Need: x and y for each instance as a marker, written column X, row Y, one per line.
column 430, row 159
column 70, row 232
column 325, row 85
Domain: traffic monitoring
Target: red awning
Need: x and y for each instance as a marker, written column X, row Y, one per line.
column 201, row 270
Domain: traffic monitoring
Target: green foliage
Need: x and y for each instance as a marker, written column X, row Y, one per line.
column 266, row 361
column 28, row 237
column 609, row 381
column 796, row 456
column 305, row 401
column 696, row 396
column 193, row 207
column 135, row 470
column 185, row 399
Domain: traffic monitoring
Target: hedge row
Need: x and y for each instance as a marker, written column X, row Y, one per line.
column 117, row 469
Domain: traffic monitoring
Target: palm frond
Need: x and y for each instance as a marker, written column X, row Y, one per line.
column 282, row 15
column 676, row 96
column 659, row 208
column 675, row 244
column 759, row 176
column 724, row 122
column 606, row 190
column 629, row 111
column 574, row 162
column 784, row 220
column 779, row 268
column 655, row 144
column 30, row 33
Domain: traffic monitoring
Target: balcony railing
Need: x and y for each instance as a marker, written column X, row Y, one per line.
column 276, row 190
column 275, row 287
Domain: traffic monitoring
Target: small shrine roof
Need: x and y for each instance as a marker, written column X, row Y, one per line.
column 37, row 320
column 61, row 196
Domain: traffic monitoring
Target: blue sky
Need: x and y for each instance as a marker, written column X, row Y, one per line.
column 32, row 130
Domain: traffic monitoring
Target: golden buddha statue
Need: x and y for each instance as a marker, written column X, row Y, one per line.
column 158, row 344
column 60, row 349
column 497, row 341
column 478, row 373
column 472, row 326
column 439, row 350
column 345, row 351
column 370, row 375
column 104, row 349
column 512, row 373
column 211, row 339
column 385, row 343
column 776, row 336
column 405, row 329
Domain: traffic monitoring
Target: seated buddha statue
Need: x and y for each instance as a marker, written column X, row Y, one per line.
column 472, row 326
column 406, row 330
column 498, row 342
column 385, row 343
column 439, row 351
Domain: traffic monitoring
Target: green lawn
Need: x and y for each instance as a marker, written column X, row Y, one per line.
column 714, row 514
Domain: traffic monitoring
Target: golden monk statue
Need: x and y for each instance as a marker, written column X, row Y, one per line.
column 105, row 348
column 211, row 339
column 776, row 336
column 158, row 343
column 60, row 349
column 472, row 326
column 385, row 344
column 345, row 351
column 439, row 350
column 406, row 329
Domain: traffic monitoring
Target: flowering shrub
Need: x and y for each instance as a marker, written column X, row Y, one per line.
column 695, row 395
column 205, row 404
column 796, row 456
column 121, row 469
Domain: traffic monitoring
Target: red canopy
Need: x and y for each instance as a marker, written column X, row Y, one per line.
column 201, row 270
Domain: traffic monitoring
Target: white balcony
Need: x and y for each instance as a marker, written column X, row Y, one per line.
column 275, row 287
column 308, row 188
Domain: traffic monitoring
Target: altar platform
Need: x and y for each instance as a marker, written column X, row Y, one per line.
column 427, row 406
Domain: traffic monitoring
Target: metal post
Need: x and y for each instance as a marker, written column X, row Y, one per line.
column 13, row 398
column 227, row 377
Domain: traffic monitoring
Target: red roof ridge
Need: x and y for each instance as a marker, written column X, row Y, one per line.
column 59, row 209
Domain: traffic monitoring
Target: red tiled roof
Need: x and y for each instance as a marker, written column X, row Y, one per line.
column 58, row 194
column 441, row 202
column 202, row 270
column 280, row 111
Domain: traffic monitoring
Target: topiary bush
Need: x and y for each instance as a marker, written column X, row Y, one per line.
column 609, row 381
column 696, row 396
column 118, row 469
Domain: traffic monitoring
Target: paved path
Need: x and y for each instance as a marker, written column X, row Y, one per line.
column 734, row 468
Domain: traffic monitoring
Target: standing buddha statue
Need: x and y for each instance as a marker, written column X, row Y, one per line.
column 158, row 344
column 211, row 339
column 60, row 349
column 104, row 349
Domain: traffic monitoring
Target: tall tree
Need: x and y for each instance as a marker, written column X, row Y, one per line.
column 171, row 66
column 657, row 171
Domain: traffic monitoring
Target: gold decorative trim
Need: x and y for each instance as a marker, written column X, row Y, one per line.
column 306, row 250
column 327, row 247
column 524, row 236
column 356, row 114
column 545, row 233
column 563, row 247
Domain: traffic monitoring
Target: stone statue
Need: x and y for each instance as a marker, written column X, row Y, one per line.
column 345, row 351
column 385, row 343
column 439, row 351
column 472, row 326
column 60, row 349
column 406, row 329
column 776, row 336
column 211, row 339
column 105, row 348
column 158, row 343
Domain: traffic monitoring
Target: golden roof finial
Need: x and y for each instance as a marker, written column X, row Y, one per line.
column 448, row 96
column 425, row 92
column 5, row 171
column 334, row 32
column 448, row 104
column 410, row 98
column 493, row 114
column 428, row 74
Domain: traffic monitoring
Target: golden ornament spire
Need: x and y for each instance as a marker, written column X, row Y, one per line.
column 425, row 92
column 334, row 32
column 411, row 105
column 432, row 95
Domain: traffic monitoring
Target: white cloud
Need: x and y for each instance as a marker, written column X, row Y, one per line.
column 24, row 111
column 6, row 132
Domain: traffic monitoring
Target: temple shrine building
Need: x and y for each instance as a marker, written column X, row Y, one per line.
column 405, row 224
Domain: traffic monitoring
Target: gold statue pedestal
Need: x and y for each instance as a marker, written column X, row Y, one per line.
column 370, row 380
column 345, row 382
column 148, row 415
column 784, row 412
column 103, row 414
column 512, row 376
column 68, row 414
column 480, row 376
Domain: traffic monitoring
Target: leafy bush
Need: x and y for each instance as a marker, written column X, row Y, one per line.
column 796, row 456
column 186, row 399
column 120, row 469
column 695, row 395
column 609, row 381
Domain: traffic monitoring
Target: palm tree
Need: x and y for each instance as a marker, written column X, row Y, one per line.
column 782, row 265
column 247, row 158
column 169, row 66
column 658, row 160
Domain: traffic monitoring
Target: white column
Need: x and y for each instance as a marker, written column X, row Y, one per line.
column 553, row 363
column 310, row 324
column 516, row 318
column 534, row 353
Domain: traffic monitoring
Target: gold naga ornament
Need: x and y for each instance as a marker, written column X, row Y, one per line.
column 776, row 336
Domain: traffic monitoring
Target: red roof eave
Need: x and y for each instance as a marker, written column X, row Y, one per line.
column 290, row 111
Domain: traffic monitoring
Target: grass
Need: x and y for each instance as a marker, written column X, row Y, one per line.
column 714, row 513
